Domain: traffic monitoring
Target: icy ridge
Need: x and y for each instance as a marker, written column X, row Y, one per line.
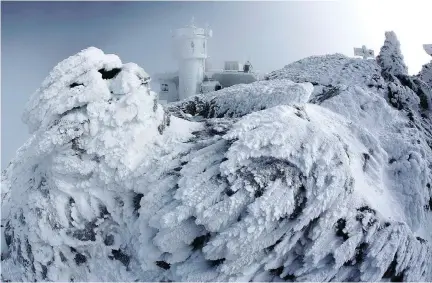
column 319, row 173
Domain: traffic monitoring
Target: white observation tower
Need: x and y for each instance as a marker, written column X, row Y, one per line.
column 190, row 49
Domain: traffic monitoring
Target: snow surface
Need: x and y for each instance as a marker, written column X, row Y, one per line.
column 319, row 173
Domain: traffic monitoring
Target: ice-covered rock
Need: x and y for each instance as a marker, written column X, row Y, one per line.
column 390, row 57
column 332, row 70
column 426, row 74
column 94, row 121
column 231, row 102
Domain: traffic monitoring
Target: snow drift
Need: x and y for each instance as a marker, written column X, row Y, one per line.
column 319, row 173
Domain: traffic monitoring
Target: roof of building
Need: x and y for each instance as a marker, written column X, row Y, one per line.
column 227, row 79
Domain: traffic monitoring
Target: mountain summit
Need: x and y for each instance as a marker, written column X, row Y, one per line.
column 321, row 172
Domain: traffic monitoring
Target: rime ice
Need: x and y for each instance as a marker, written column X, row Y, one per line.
column 319, row 173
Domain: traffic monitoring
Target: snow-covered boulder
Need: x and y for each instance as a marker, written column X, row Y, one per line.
column 231, row 102
column 94, row 120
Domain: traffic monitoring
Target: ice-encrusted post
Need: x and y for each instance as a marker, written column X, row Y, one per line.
column 364, row 52
column 390, row 57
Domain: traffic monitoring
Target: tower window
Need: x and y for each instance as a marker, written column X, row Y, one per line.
column 192, row 44
column 164, row 87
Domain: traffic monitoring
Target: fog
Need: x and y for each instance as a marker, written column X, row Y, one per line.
column 37, row 35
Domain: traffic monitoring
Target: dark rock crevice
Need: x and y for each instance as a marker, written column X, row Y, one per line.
column 109, row 74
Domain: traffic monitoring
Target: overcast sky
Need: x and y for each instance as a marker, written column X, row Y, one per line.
column 37, row 35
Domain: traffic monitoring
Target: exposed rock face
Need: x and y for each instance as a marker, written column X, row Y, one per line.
column 426, row 74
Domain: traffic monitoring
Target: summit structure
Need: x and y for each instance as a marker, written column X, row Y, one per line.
column 190, row 49
column 194, row 75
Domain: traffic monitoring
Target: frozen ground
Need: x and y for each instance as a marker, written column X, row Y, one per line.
column 319, row 173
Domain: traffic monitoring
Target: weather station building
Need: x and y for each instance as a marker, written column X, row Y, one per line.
column 194, row 75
